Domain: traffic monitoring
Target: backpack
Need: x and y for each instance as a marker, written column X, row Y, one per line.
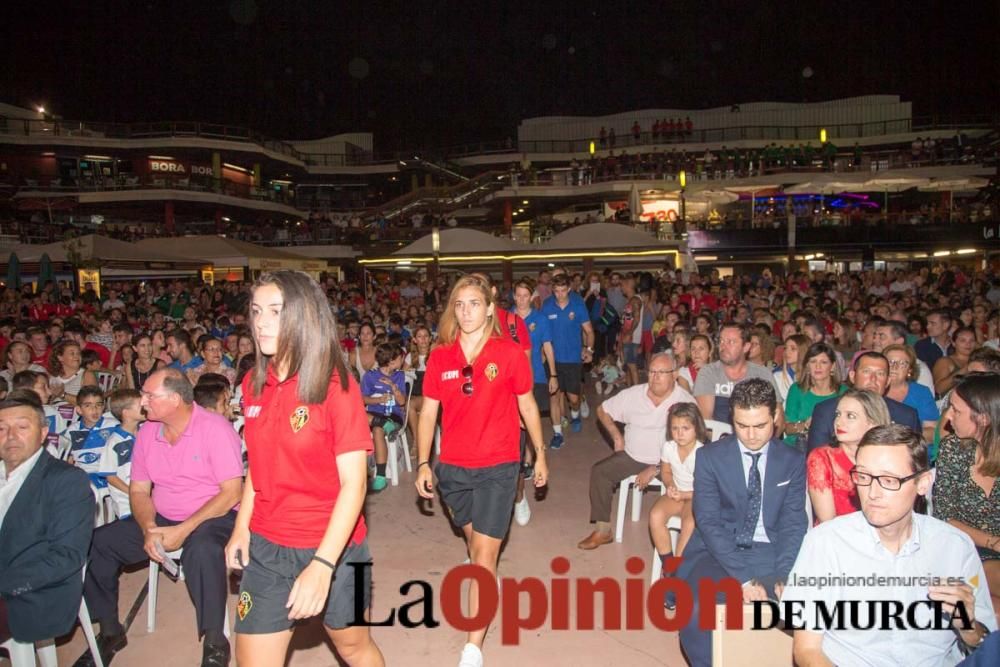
column 603, row 315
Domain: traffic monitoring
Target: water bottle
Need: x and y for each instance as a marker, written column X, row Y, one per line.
column 391, row 404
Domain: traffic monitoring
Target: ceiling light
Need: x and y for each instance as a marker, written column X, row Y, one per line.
column 942, row 253
column 965, row 251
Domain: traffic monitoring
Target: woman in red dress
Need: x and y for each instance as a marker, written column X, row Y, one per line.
column 829, row 468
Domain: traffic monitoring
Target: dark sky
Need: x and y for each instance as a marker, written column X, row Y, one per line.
column 437, row 73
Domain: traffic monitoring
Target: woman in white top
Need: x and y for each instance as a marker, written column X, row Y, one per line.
column 65, row 366
column 17, row 358
column 687, row 433
column 784, row 377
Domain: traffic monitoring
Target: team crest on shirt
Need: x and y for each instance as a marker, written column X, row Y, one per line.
column 245, row 605
column 299, row 418
column 531, row 327
column 491, row 372
column 572, row 315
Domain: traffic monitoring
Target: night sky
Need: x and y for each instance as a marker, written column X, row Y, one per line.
column 439, row 73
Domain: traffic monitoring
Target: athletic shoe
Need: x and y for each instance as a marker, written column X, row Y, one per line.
column 522, row 511
column 378, row 483
column 584, row 407
column 576, row 425
column 610, row 388
column 565, row 422
column 557, row 441
column 471, row 656
column 598, row 387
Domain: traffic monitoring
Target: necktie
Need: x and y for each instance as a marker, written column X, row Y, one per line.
column 744, row 539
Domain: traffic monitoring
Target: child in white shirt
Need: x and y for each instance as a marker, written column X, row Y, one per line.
column 687, row 434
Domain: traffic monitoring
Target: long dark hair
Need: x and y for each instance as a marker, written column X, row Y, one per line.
column 981, row 391
column 307, row 337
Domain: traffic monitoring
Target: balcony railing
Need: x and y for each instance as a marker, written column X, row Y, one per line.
column 134, row 183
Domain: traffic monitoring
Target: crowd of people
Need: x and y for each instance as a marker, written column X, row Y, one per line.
column 851, row 397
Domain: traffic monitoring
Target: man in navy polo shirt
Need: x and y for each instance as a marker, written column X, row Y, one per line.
column 572, row 341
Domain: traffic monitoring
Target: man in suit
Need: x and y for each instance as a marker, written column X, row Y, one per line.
column 871, row 373
column 749, row 510
column 46, row 521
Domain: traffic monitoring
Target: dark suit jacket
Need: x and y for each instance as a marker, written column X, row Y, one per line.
column 720, row 500
column 43, row 547
column 821, row 428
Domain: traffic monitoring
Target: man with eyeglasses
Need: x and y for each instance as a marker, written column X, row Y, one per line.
column 187, row 477
column 643, row 409
column 903, row 562
column 870, row 373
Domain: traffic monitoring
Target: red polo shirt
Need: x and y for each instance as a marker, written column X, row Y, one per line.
column 507, row 319
column 479, row 430
column 292, row 448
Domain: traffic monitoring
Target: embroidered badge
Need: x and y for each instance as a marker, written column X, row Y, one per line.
column 572, row 315
column 299, row 418
column 491, row 371
column 245, row 605
column 531, row 327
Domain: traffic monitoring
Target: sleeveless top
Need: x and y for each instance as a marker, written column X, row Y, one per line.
column 138, row 377
column 72, row 383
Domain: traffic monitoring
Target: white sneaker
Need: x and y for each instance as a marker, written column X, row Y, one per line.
column 584, row 408
column 607, row 390
column 522, row 511
column 471, row 656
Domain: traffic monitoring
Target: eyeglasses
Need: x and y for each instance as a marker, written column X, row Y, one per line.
column 149, row 394
column 661, row 372
column 467, row 374
column 887, row 482
column 899, row 363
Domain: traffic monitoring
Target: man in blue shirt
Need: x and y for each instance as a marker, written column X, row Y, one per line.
column 572, row 342
column 180, row 347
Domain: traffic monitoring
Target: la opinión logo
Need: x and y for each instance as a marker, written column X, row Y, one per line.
column 628, row 604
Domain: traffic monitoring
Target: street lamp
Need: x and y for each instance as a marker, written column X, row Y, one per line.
column 682, row 177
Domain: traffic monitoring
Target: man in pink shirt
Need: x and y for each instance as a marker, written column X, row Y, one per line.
column 187, row 477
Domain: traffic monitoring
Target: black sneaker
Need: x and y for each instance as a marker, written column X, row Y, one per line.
column 215, row 656
column 107, row 646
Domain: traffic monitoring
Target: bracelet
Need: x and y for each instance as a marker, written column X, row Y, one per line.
column 325, row 562
column 423, row 463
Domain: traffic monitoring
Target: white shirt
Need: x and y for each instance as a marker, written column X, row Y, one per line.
column 645, row 423
column 11, row 484
column 848, row 546
column 925, row 377
column 759, row 533
column 681, row 471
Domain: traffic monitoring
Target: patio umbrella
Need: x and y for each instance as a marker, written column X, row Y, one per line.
column 635, row 203
column 714, row 196
column 46, row 273
column 952, row 185
column 13, row 271
column 889, row 184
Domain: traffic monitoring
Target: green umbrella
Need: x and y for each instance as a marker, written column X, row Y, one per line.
column 13, row 271
column 46, row 273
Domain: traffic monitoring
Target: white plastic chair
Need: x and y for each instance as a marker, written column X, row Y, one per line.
column 398, row 439
column 636, row 501
column 930, row 493
column 718, row 429
column 154, row 572
column 674, row 527
column 22, row 654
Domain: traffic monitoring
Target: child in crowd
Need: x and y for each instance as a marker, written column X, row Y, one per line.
column 116, row 460
column 57, row 416
column 91, row 361
column 85, row 439
column 610, row 375
column 687, row 434
column 214, row 393
column 383, row 390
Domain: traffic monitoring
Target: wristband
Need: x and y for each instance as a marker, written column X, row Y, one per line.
column 423, row 463
column 325, row 562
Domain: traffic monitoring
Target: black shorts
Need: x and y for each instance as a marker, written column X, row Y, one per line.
column 483, row 497
column 382, row 420
column 570, row 378
column 541, row 392
column 268, row 579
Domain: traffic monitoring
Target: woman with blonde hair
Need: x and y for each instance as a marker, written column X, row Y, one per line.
column 482, row 381
column 828, row 468
column 784, row 376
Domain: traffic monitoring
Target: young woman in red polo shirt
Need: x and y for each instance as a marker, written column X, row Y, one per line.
column 483, row 382
column 300, row 525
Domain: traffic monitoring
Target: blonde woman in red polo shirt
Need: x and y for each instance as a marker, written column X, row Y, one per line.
column 483, row 383
column 300, row 525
